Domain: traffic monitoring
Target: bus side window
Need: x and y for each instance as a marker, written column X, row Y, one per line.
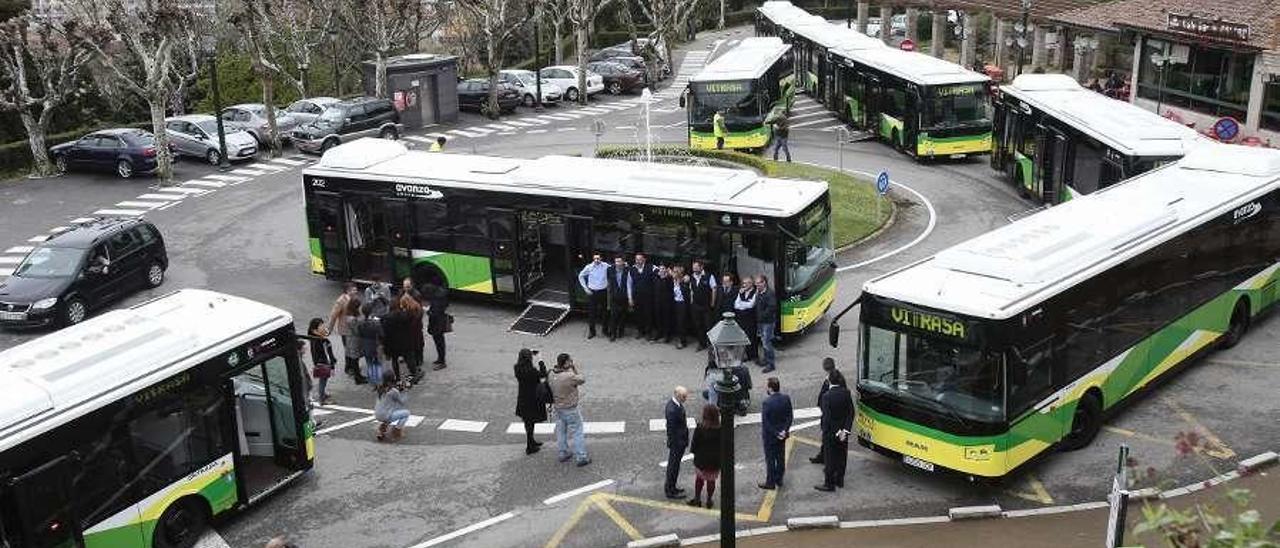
column 430, row 225
column 1087, row 171
column 1111, row 174
column 102, row 478
column 1030, row 376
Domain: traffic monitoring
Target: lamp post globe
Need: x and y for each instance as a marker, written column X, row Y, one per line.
column 728, row 346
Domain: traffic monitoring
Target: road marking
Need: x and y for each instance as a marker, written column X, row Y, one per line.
column 347, row 409
column 559, row 116
column 660, row 425
column 249, row 172
column 806, row 107
column 593, row 110
column 1242, row 362
column 159, row 197
column 624, row 128
column 59, row 229
column 288, row 162
column 320, row 412
column 38, row 239
column 148, row 205
column 1033, row 490
column 813, row 122
column 572, row 116
column 1214, row 447
column 417, row 138
column 616, row 427
column 458, row 425
column 807, row 413
column 569, row 524
column 575, row 492
column 120, row 212
column 10, row 260
column 414, row 421
column 211, row 539
column 686, row 458
column 466, row 530
column 618, row 520
column 933, row 222
column 176, row 189
column 536, row 131
column 81, row 220
column 20, row 249
column 269, row 167
column 567, row 129
column 6, row 271
column 462, row 133
column 544, row 428
column 211, row 184
column 344, row 425
column 227, row 178
column 508, row 132
column 500, row 127
column 519, row 123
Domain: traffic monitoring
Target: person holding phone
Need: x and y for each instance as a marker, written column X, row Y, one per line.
column 529, row 405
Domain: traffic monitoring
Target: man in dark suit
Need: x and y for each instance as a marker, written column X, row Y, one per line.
column 677, row 440
column 702, row 286
column 828, row 365
column 620, row 297
column 775, row 427
column 837, row 421
column 663, row 305
column 644, row 279
column 680, row 310
column 725, row 295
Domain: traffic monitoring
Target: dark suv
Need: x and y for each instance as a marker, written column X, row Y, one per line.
column 347, row 121
column 81, row 269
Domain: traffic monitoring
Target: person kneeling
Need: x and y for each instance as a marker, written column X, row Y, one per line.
column 391, row 410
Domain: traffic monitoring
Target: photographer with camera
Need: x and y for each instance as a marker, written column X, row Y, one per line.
column 564, row 382
column 391, row 409
column 532, row 397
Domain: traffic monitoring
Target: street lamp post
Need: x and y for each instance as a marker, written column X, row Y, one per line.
column 728, row 345
column 209, row 44
column 1022, row 28
column 537, row 63
column 333, row 43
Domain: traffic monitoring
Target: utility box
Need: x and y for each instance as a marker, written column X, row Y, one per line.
column 422, row 86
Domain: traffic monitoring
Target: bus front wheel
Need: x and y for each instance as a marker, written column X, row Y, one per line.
column 1085, row 424
column 181, row 525
column 1239, row 324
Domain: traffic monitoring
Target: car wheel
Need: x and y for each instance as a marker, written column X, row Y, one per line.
column 615, row 88
column 571, row 95
column 389, row 133
column 155, row 275
column 124, row 169
column 529, row 100
column 74, row 311
column 181, row 525
column 213, row 157
column 60, row 163
column 328, row 144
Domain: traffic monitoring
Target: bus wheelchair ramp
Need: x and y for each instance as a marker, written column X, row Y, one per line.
column 546, row 310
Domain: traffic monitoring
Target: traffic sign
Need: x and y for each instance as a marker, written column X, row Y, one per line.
column 1226, row 129
column 882, row 182
column 907, row 45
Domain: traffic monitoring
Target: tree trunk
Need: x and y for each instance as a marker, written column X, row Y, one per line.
column 302, row 81
column 36, row 129
column 494, row 108
column 380, row 75
column 164, row 160
column 559, row 45
column 720, row 26
column 268, row 99
column 582, row 65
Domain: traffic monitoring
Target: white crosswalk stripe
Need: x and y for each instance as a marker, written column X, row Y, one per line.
column 148, row 205
column 227, row 178
column 210, row 184
column 269, row 167
column 561, row 116
column 462, row 133
column 181, row 190
column 500, row 127
column 288, row 162
column 120, row 212
column 38, row 239
column 457, row 425
column 160, row 197
column 59, row 229
column 80, row 220
column 19, row 249
column 417, row 138
column 10, row 260
column 519, row 123
column 249, row 172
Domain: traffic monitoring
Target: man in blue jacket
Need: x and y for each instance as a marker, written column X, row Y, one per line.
column 677, row 440
column 775, row 420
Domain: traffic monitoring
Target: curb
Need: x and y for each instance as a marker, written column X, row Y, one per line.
column 655, row 542
column 975, row 512
column 815, row 522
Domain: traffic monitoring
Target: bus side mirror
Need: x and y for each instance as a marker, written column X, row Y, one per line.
column 833, row 335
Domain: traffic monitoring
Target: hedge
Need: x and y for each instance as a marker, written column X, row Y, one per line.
column 15, row 157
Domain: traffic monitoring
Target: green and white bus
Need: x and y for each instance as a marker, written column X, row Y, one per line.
column 771, row 15
column 519, row 231
column 924, row 106
column 1056, row 140
column 137, row 427
column 751, row 81
column 991, row 352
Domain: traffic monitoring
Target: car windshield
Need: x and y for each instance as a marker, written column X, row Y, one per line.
column 331, row 116
column 256, row 110
column 210, row 127
column 810, row 253
column 50, row 262
column 957, row 105
column 952, row 378
column 736, row 98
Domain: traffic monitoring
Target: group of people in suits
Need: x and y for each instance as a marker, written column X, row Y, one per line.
column 776, row 416
column 666, row 302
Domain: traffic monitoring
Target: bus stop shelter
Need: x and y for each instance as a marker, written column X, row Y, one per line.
column 422, row 86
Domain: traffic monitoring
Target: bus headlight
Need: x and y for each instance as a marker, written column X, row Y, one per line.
column 44, row 304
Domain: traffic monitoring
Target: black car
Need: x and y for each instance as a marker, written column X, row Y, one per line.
column 617, row 78
column 473, row 94
column 82, row 269
column 349, row 120
column 624, row 58
column 125, row 151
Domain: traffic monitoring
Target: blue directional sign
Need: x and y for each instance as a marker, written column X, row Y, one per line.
column 882, row 182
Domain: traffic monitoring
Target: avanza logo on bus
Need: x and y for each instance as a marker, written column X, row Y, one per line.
column 1246, row 212
column 928, row 322
column 418, row 191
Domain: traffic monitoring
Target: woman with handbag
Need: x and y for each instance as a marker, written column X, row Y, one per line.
column 532, row 397
column 322, row 360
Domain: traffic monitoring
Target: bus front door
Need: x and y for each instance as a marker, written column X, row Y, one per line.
column 269, row 437
column 43, row 503
column 504, row 254
column 579, row 246
column 999, row 132
column 331, row 250
column 1051, row 163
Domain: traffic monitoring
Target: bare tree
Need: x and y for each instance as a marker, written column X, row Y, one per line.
column 256, row 21
column 380, row 27
column 39, row 71
column 141, row 44
column 493, row 22
column 300, row 28
column 668, row 17
column 556, row 12
column 582, row 14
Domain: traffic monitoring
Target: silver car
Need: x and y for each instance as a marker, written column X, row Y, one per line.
column 306, row 111
column 197, row 135
column 252, row 117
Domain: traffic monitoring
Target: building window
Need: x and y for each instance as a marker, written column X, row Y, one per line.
column 1271, row 106
column 1212, row 81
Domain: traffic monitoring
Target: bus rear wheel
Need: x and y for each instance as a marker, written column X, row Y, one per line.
column 1085, row 424
column 1239, row 325
column 181, row 525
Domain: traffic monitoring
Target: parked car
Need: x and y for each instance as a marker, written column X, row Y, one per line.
column 659, row 52
column 621, row 57
column 349, row 120
column 473, row 94
column 126, row 151
column 197, row 135
column 82, row 269
column 566, row 76
column 524, row 81
column 305, row 111
column 618, row 79
column 252, row 117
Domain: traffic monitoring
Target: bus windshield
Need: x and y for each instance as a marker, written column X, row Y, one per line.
column 963, row 380
column 737, row 98
column 807, row 255
column 956, row 105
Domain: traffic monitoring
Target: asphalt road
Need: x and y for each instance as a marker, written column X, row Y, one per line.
column 460, row 472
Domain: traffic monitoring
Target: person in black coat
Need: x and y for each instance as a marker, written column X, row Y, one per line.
column 437, row 319
column 528, row 407
column 837, row 421
column 677, row 440
column 828, row 365
column 644, row 281
column 726, row 294
column 397, row 338
column 663, row 306
column 702, row 302
column 766, row 320
column 619, row 297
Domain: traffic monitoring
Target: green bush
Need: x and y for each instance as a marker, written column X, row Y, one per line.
column 853, row 199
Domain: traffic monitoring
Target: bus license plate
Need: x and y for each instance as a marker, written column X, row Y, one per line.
column 921, row 464
column 958, row 156
column 15, row 316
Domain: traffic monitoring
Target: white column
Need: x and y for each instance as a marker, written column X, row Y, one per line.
column 969, row 40
column 1079, row 67
column 1038, row 50
column 1257, row 86
column 886, row 22
column 864, row 13
column 938, row 40
column 1137, row 64
column 1001, row 51
column 913, row 16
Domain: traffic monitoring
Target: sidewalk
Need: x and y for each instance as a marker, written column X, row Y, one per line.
column 1072, row 529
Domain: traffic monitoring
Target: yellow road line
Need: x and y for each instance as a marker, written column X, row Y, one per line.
column 617, row 518
column 571, row 523
column 1037, row 492
column 676, row 507
column 1138, row 435
column 1215, row 447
